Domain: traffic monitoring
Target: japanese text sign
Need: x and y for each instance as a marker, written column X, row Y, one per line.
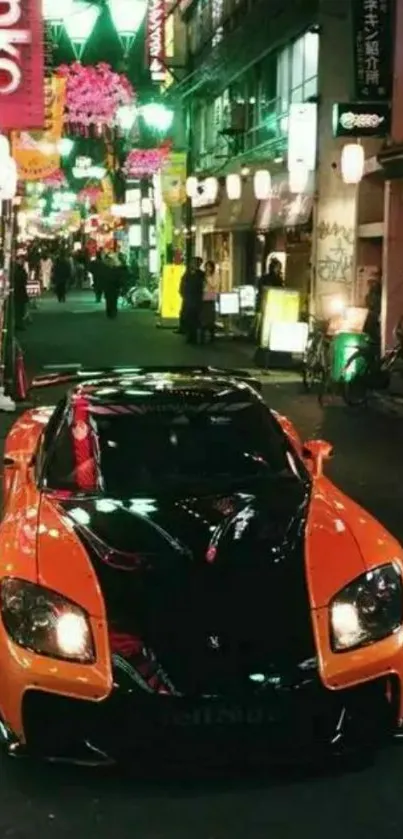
column 373, row 48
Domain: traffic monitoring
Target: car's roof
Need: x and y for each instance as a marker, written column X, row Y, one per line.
column 131, row 387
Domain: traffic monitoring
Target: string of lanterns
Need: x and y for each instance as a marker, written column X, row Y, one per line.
column 262, row 186
column 352, row 165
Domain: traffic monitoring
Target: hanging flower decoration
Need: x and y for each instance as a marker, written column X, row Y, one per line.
column 143, row 163
column 94, row 95
column 89, row 195
column 57, row 180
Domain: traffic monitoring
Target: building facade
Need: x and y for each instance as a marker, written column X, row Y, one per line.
column 285, row 87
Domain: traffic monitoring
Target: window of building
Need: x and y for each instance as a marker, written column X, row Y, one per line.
column 297, row 71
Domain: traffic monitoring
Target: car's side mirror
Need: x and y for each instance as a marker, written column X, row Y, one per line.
column 315, row 452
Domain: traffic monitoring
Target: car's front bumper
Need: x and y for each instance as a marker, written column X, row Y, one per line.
column 280, row 724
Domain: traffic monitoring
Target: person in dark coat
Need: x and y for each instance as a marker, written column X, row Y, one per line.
column 20, row 293
column 373, row 302
column 97, row 271
column 191, row 291
column 61, row 276
column 112, row 285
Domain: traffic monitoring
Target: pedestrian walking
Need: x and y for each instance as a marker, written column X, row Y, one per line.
column 45, row 271
column 112, row 285
column 61, row 276
column 20, row 293
column 97, row 271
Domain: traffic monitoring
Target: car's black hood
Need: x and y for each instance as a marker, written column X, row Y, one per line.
column 211, row 589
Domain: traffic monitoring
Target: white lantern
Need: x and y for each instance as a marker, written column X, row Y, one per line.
column 191, row 186
column 262, row 185
column 352, row 163
column 4, row 148
column 298, row 177
column 8, row 179
column 234, row 187
column 211, row 189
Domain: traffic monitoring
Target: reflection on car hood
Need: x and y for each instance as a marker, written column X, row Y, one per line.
column 185, row 577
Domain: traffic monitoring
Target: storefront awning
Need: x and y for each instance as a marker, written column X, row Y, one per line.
column 285, row 209
column 238, row 215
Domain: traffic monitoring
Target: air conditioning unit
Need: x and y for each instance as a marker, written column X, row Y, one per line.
column 234, row 120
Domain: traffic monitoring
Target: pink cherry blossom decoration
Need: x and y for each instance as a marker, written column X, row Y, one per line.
column 94, row 94
column 56, row 180
column 90, row 194
column 142, row 163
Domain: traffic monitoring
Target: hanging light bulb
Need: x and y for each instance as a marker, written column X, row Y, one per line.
column 191, row 186
column 211, row 189
column 352, row 163
column 234, row 187
column 298, row 177
column 262, row 184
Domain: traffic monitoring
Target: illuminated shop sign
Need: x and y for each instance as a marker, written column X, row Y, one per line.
column 369, row 119
column 156, row 40
column 21, row 65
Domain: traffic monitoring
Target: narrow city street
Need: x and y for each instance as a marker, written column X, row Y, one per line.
column 50, row 801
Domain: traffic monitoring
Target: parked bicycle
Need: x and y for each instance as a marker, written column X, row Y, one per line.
column 368, row 371
column 317, row 357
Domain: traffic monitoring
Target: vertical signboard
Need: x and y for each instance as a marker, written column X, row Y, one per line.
column 21, row 65
column 156, row 40
column 373, row 49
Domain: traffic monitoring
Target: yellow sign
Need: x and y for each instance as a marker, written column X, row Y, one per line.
column 29, row 148
column 279, row 306
column 170, row 298
column 173, row 179
column 106, row 199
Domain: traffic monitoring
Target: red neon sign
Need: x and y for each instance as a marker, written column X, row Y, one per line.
column 21, row 65
column 156, row 39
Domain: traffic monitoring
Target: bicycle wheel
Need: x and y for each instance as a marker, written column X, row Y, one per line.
column 355, row 390
column 311, row 371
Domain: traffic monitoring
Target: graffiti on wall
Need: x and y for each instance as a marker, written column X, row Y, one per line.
column 335, row 253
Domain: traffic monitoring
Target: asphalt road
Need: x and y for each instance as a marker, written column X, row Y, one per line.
column 48, row 801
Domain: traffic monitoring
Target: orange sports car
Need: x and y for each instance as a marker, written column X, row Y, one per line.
column 178, row 574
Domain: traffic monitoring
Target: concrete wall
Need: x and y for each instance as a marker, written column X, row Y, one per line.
column 336, row 217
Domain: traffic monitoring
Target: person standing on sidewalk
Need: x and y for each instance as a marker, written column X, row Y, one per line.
column 192, row 296
column 210, row 293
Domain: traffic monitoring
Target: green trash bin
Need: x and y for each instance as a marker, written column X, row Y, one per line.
column 344, row 346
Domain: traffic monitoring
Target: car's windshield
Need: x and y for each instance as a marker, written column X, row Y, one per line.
column 135, row 453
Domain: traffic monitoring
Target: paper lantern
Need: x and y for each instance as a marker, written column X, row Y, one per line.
column 234, row 187
column 4, row 148
column 298, row 177
column 191, row 186
column 262, row 184
column 8, row 179
column 352, row 163
column 211, row 189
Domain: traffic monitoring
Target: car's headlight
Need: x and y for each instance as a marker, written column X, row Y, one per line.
column 368, row 609
column 45, row 622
